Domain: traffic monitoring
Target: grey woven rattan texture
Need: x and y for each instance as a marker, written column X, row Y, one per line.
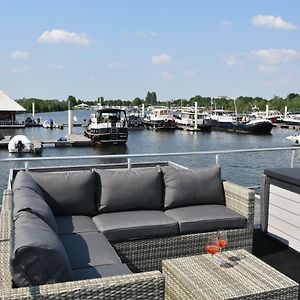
column 245, row 277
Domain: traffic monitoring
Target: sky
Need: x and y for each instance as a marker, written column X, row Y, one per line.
column 121, row 49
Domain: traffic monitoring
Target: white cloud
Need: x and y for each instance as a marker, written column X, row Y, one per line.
column 19, row 54
column 116, row 65
column 272, row 22
column 231, row 60
column 62, row 36
column 167, row 76
column 162, row 59
column 19, row 70
column 275, row 56
column 267, row 69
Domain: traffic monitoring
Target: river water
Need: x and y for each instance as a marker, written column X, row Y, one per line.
column 245, row 169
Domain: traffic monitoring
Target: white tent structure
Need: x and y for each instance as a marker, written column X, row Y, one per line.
column 8, row 108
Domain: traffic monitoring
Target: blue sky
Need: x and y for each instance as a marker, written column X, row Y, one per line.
column 122, row 49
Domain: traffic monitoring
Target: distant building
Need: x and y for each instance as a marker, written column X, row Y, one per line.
column 8, row 108
column 81, row 106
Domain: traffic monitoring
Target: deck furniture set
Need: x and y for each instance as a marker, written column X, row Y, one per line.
column 103, row 234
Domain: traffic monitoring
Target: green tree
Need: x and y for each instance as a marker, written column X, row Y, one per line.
column 137, row 101
column 72, row 101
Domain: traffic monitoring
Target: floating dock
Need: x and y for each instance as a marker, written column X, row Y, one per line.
column 286, row 126
column 74, row 140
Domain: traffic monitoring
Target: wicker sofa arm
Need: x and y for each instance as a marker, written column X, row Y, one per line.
column 241, row 200
column 147, row 285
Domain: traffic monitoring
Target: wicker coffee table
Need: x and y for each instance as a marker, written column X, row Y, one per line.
column 243, row 277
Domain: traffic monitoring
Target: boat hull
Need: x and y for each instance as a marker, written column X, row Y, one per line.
column 259, row 127
column 115, row 138
column 160, row 125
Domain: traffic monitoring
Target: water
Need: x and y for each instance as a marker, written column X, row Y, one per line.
column 245, row 169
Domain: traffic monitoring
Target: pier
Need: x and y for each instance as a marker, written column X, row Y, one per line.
column 74, row 140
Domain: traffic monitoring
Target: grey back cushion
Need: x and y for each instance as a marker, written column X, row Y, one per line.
column 193, row 187
column 38, row 255
column 27, row 196
column 68, row 193
column 126, row 190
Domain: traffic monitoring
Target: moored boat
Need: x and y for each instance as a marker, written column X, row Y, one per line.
column 108, row 126
column 160, row 119
column 20, row 144
column 229, row 121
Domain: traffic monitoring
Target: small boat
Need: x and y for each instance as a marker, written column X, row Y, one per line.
column 160, row 119
column 230, row 121
column 108, row 126
column 294, row 138
column 20, row 144
column 186, row 119
column 51, row 124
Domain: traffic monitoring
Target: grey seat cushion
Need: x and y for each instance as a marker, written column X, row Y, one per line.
column 88, row 250
column 75, row 224
column 193, row 187
column 129, row 225
column 101, row 271
column 124, row 190
column 68, row 193
column 22, row 180
column 205, row 218
column 38, row 256
column 27, row 196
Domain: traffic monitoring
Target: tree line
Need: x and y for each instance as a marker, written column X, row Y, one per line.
column 242, row 103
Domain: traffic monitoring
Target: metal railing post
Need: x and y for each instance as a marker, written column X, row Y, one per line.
column 26, row 165
column 293, row 158
column 129, row 163
column 217, row 159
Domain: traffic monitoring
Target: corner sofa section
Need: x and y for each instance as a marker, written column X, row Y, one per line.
column 106, row 224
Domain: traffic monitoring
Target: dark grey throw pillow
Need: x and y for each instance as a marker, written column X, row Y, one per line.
column 27, row 196
column 38, row 256
column 193, row 187
column 68, row 193
column 125, row 190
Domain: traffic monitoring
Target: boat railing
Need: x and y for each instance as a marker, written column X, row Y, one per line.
column 129, row 157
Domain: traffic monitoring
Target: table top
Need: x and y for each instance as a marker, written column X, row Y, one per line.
column 243, row 274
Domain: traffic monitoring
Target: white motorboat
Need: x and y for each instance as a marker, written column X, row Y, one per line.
column 20, row 144
column 160, row 118
column 294, row 138
column 51, row 124
column 108, row 126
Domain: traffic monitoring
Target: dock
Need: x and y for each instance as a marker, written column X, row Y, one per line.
column 74, row 140
column 4, row 142
column 286, row 126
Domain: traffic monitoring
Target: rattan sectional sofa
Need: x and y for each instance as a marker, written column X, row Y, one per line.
column 102, row 234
